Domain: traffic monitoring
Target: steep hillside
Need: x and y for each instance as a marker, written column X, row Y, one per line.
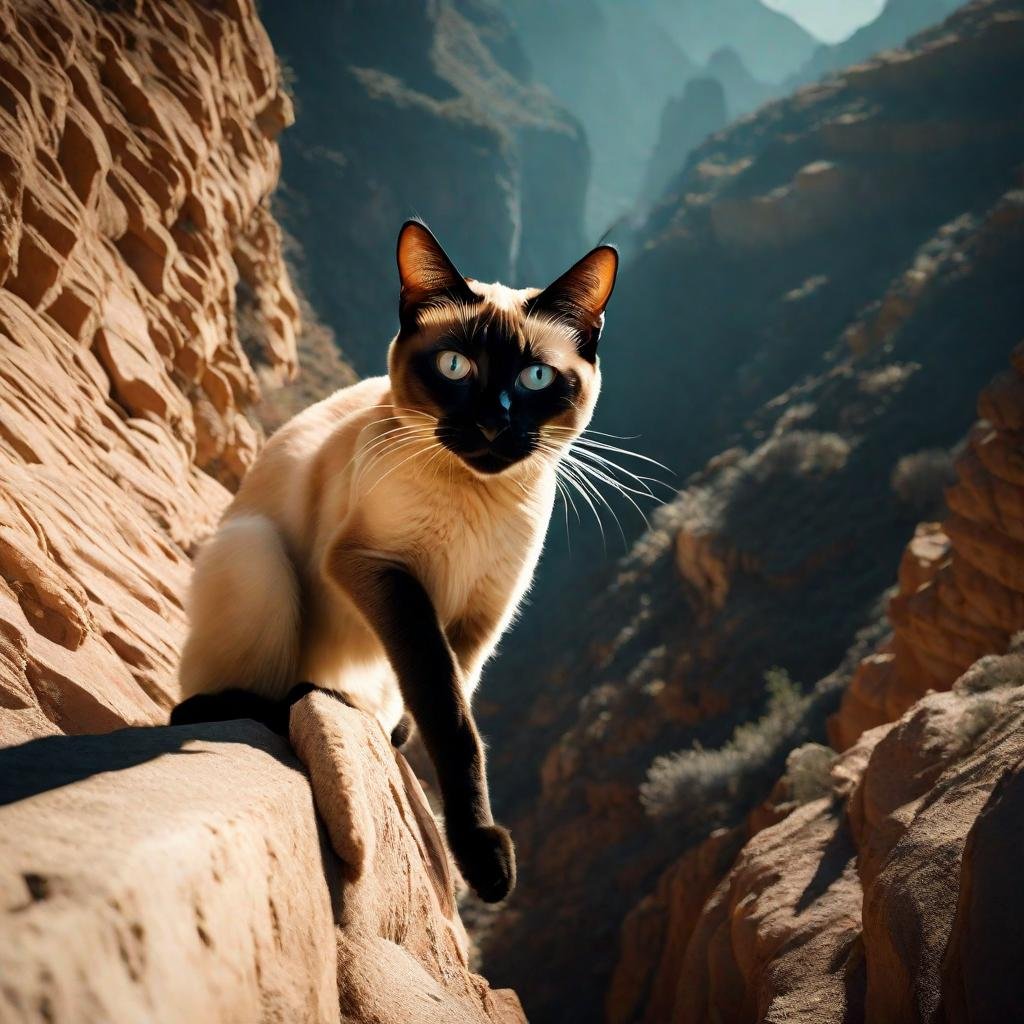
column 896, row 23
column 783, row 228
column 779, row 552
column 869, row 884
column 407, row 108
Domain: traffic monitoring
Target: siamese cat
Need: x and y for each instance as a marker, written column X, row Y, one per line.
column 384, row 537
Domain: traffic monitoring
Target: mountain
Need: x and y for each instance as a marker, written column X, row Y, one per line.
column 810, row 313
column 624, row 65
column 686, row 122
column 743, row 91
column 407, row 108
column 896, row 22
column 771, row 44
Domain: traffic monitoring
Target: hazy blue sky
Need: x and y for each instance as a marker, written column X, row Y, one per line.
column 830, row 20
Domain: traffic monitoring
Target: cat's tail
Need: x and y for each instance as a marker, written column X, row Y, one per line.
column 244, row 612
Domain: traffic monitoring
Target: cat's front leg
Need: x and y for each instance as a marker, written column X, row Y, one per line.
column 401, row 613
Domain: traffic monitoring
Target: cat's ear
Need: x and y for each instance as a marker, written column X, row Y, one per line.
column 578, row 298
column 426, row 273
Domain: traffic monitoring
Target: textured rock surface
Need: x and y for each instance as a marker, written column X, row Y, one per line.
column 189, row 869
column 136, row 155
column 864, row 902
column 152, row 873
column 948, row 607
column 961, row 585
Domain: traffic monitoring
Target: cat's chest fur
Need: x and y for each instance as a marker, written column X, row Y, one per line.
column 473, row 548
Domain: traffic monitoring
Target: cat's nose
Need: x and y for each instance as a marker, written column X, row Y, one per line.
column 490, row 432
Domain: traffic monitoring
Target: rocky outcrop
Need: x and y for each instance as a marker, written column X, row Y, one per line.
column 879, row 892
column 131, row 860
column 136, row 156
column 961, row 585
column 686, row 121
column 676, row 961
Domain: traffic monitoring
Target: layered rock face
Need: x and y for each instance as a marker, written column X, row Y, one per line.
column 755, row 945
column 136, row 156
column 428, row 109
column 876, row 888
column 780, row 551
column 961, row 584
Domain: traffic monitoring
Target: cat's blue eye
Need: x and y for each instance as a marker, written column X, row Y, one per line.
column 454, row 365
column 537, row 376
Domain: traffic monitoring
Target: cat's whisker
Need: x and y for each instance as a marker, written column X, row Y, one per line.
column 573, row 484
column 597, row 433
column 362, row 450
column 626, row 492
column 613, row 467
column 585, row 488
column 415, row 454
column 603, row 446
column 382, row 445
column 375, row 451
column 392, row 445
column 582, row 470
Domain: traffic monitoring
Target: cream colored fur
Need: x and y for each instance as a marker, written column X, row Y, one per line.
column 264, row 615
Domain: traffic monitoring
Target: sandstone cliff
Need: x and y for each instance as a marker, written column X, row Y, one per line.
column 137, row 153
column 877, row 884
column 154, row 873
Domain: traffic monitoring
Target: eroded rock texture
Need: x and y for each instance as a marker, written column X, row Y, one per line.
column 793, row 900
column 179, row 874
column 158, row 874
column 961, row 584
column 880, row 895
column 136, row 156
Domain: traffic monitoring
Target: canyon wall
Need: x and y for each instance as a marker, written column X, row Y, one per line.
column 829, row 344
column 865, row 888
column 413, row 109
column 149, row 872
column 137, row 154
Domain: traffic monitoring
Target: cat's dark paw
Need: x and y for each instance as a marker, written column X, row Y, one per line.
column 401, row 732
column 487, row 860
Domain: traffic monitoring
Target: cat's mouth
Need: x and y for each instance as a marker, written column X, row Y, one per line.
column 486, row 457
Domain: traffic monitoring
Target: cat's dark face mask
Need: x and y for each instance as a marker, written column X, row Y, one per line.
column 505, row 373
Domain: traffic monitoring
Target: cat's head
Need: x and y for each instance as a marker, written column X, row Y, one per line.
column 508, row 374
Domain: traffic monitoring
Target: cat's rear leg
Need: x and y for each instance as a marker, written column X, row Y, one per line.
column 244, row 612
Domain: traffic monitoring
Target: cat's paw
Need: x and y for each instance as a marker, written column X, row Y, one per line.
column 487, row 860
